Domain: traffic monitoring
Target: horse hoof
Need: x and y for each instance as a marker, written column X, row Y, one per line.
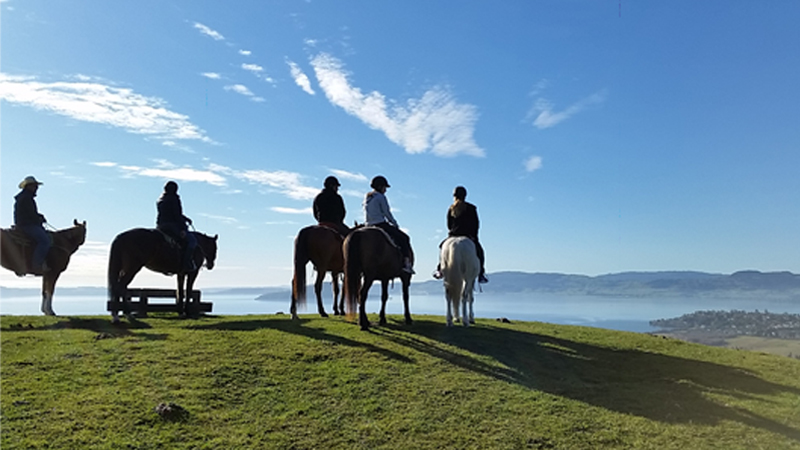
column 323, row 314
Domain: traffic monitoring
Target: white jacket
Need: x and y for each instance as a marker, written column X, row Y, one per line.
column 376, row 209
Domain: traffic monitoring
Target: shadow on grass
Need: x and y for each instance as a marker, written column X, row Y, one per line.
column 296, row 327
column 655, row 386
column 103, row 327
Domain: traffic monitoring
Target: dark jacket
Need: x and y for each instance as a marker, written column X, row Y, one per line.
column 25, row 211
column 329, row 207
column 170, row 212
column 462, row 220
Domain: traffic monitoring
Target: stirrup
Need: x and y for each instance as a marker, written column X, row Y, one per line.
column 482, row 279
column 437, row 274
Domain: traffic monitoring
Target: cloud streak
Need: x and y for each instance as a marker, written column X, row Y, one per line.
column 243, row 90
column 286, row 183
column 436, row 122
column 168, row 172
column 300, row 78
column 546, row 117
column 92, row 101
column 209, row 32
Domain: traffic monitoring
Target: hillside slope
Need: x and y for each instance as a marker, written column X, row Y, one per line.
column 268, row 382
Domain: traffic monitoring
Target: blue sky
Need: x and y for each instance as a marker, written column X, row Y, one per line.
column 594, row 136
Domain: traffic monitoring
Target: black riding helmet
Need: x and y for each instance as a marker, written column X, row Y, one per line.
column 379, row 182
column 331, row 182
column 460, row 192
column 171, row 187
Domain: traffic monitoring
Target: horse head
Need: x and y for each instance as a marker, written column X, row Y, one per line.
column 209, row 247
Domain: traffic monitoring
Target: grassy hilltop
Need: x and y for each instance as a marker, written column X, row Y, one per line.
column 268, row 382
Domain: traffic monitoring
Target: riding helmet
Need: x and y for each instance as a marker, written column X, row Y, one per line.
column 171, row 187
column 460, row 192
column 378, row 182
column 331, row 182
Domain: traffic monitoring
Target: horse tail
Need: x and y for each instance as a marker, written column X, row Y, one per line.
column 352, row 272
column 114, row 269
column 300, row 260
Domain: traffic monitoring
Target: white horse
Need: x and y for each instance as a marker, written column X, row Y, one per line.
column 460, row 267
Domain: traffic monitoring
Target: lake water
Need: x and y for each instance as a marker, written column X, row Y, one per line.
column 626, row 314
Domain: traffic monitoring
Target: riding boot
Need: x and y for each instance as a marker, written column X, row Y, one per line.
column 438, row 272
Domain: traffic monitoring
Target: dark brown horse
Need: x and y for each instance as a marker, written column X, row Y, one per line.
column 323, row 247
column 16, row 252
column 369, row 254
column 144, row 247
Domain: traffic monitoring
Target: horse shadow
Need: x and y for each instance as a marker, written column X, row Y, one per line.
column 103, row 328
column 297, row 327
column 658, row 387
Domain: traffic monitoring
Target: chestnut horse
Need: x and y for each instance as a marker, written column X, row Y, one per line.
column 144, row 247
column 16, row 252
column 370, row 254
column 460, row 267
column 323, row 247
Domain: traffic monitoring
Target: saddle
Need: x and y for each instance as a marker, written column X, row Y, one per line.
column 387, row 235
column 20, row 252
column 171, row 240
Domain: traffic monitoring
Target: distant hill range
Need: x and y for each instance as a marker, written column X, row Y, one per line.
column 744, row 284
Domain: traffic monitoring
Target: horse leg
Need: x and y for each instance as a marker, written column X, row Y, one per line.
column 48, row 286
column 318, row 293
column 182, row 313
column 337, row 310
column 191, row 308
column 384, row 298
column 464, row 302
column 470, row 301
column 406, row 282
column 362, row 301
column 448, row 300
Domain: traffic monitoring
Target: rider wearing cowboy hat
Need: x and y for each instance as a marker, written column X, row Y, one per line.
column 329, row 207
column 379, row 214
column 28, row 220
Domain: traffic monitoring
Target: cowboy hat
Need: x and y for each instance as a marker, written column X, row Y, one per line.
column 28, row 180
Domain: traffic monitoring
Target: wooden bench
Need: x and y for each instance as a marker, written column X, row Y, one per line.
column 143, row 306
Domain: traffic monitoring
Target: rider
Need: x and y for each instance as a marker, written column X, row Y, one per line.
column 29, row 221
column 172, row 222
column 379, row 214
column 462, row 220
column 329, row 207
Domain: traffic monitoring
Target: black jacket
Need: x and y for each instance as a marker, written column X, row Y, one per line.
column 462, row 220
column 25, row 211
column 170, row 211
column 329, row 207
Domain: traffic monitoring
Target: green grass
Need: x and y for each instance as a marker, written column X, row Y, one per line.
column 268, row 382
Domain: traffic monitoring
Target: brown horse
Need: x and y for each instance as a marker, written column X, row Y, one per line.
column 369, row 253
column 16, row 252
column 323, row 247
column 142, row 247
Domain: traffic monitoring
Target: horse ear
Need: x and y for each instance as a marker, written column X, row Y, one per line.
column 84, row 224
column 75, row 222
column 216, row 236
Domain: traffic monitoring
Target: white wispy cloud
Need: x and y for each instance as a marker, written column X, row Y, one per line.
column 533, row 163
column 243, row 90
column 245, row 52
column 92, row 101
column 436, row 122
column 212, row 75
column 282, row 210
column 168, row 171
column 287, row 183
column 224, row 219
column 300, row 78
column 253, row 68
column 348, row 175
column 209, row 32
column 546, row 117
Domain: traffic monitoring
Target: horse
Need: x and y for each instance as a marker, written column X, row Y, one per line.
column 144, row 247
column 323, row 247
column 460, row 267
column 16, row 252
column 370, row 253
